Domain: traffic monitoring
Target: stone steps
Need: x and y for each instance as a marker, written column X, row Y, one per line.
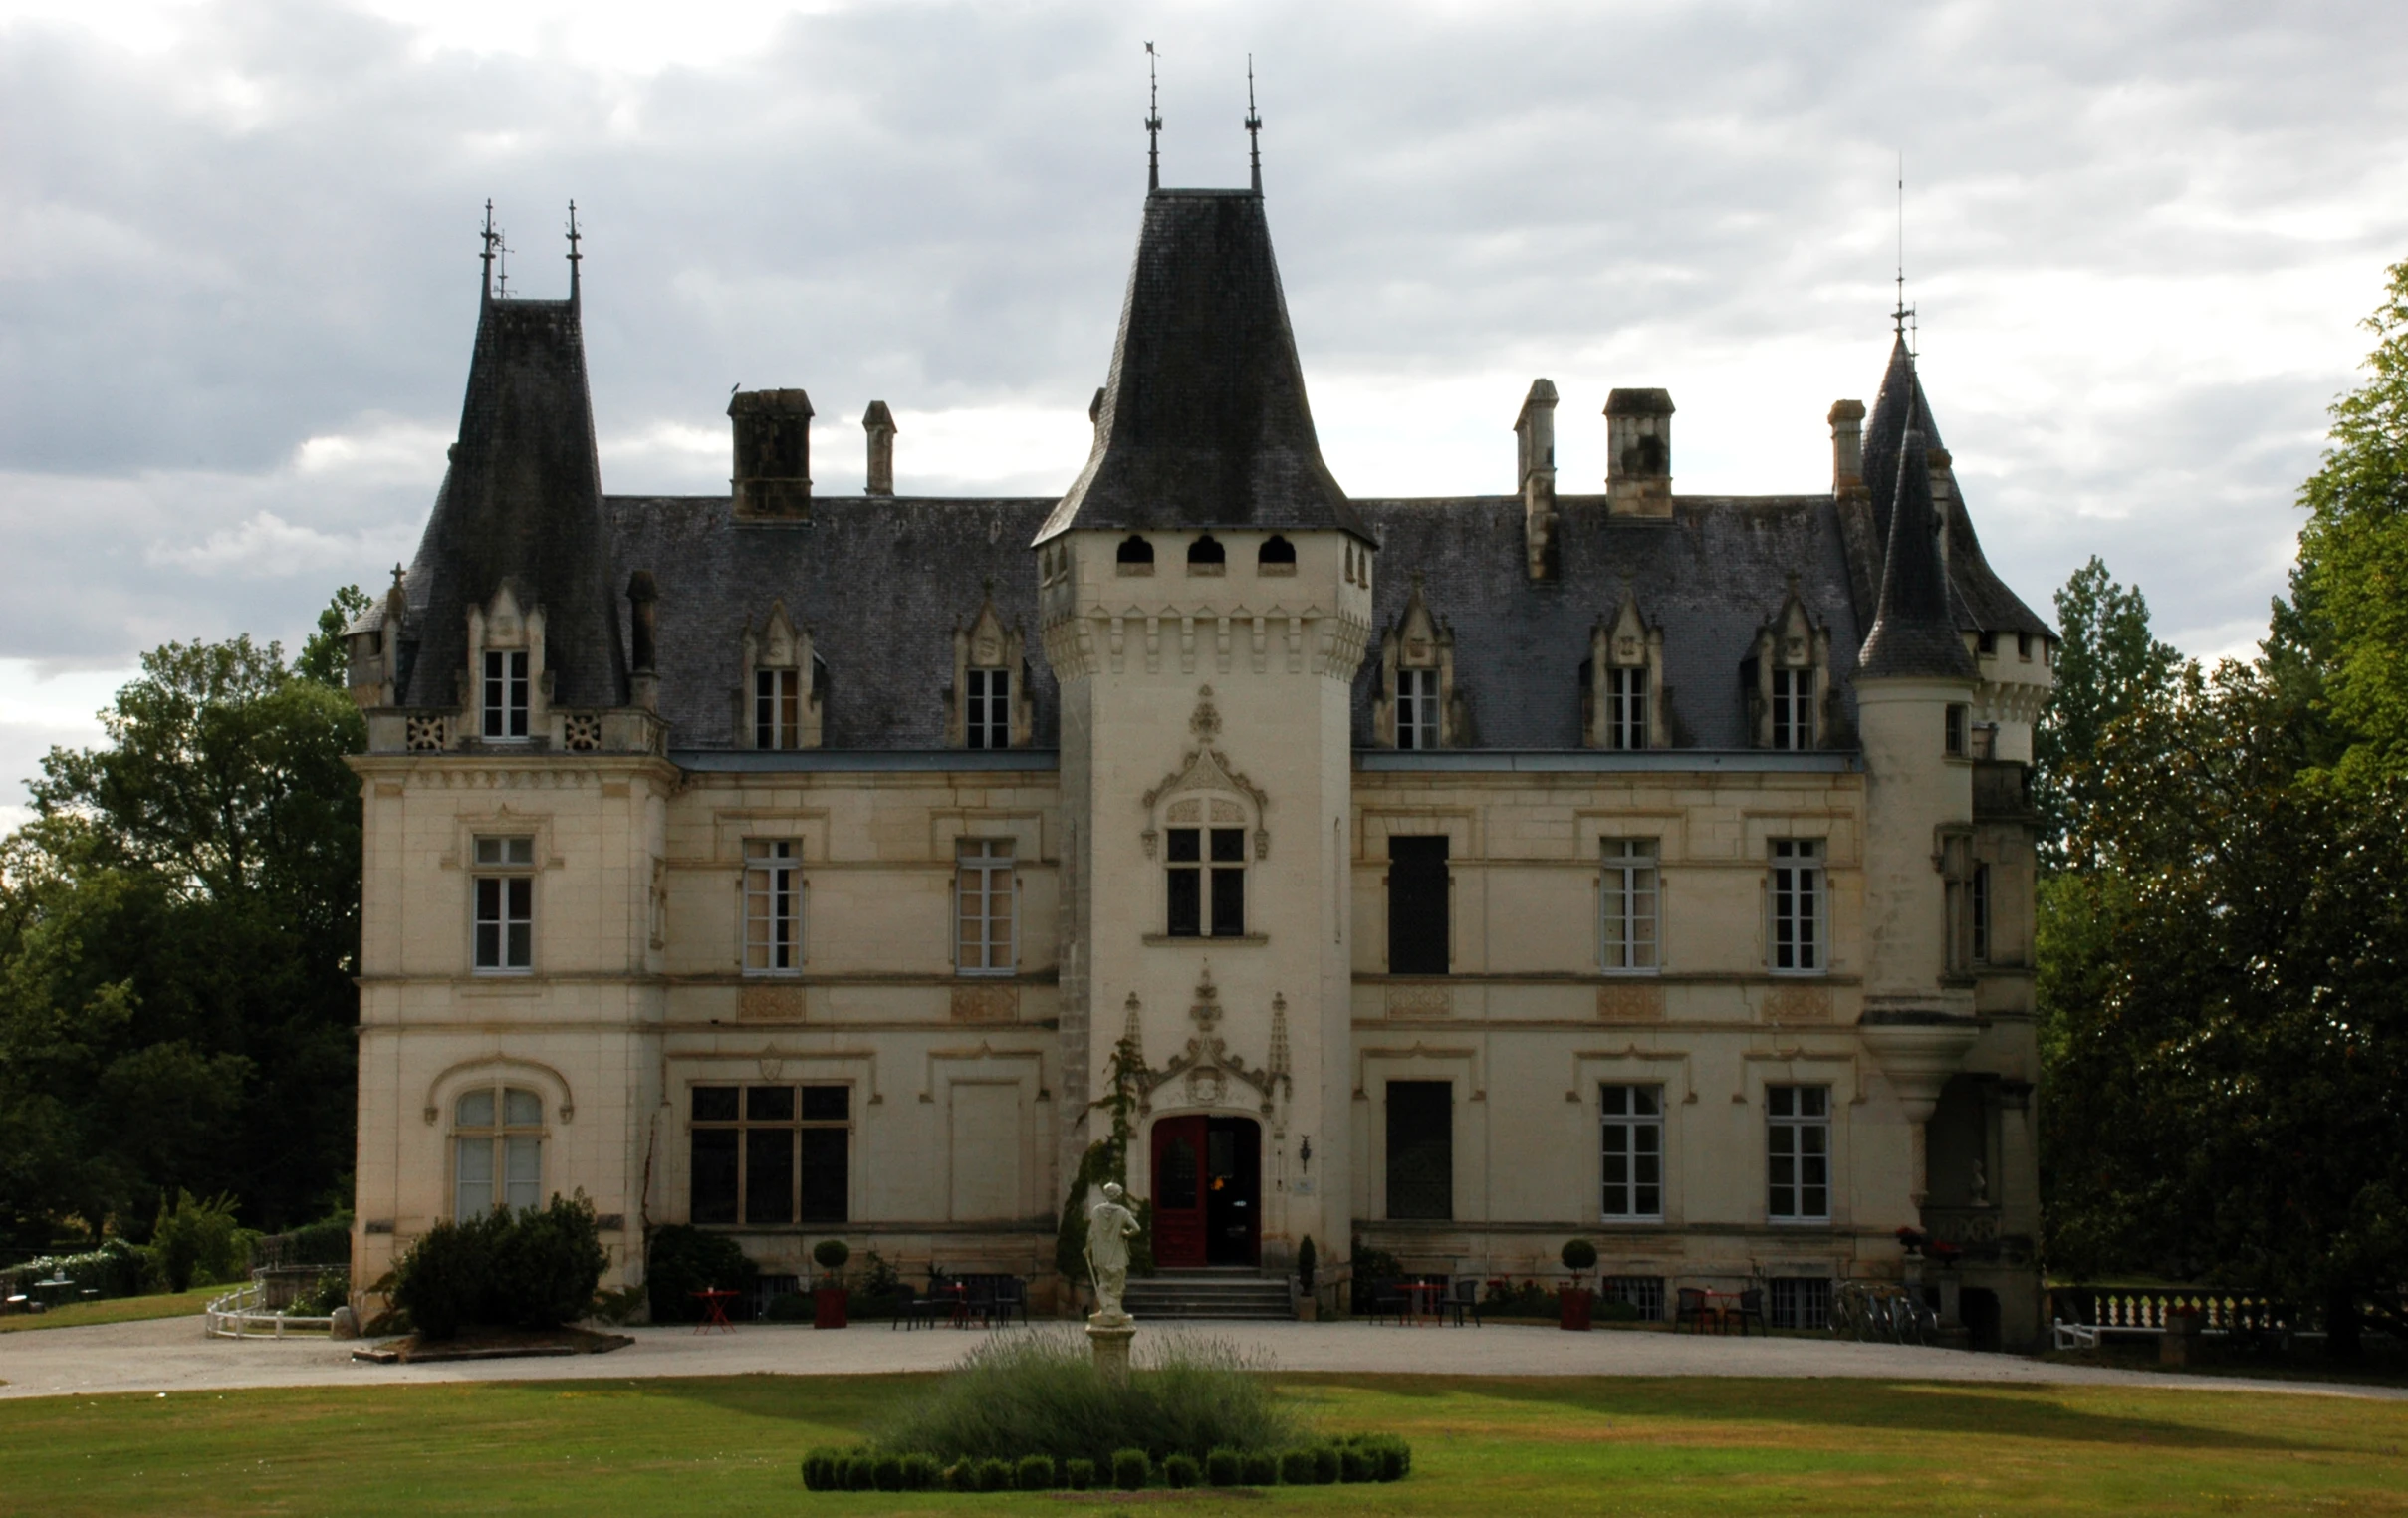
column 1236, row 1295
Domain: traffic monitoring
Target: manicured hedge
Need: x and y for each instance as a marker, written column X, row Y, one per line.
column 1359, row 1457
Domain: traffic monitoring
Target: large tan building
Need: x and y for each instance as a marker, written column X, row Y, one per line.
column 1465, row 873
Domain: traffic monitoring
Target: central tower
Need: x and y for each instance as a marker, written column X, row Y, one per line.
column 1205, row 593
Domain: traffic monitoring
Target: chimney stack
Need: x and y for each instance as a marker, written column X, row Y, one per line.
column 878, row 422
column 1848, row 446
column 1535, row 451
column 1638, row 440
column 773, row 455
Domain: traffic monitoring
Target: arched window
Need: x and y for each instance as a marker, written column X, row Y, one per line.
column 1276, row 557
column 1205, row 867
column 497, row 1145
column 1137, row 555
column 1206, row 556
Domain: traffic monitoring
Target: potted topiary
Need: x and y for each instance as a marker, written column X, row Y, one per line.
column 827, row 1298
column 1579, row 1257
column 1307, row 1305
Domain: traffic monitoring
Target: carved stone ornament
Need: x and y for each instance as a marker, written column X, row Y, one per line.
column 1206, row 768
column 1206, row 1067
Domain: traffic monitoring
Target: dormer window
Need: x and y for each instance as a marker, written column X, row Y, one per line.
column 1792, row 708
column 1786, row 680
column 1277, row 556
column 777, row 709
column 1417, row 706
column 1623, row 694
column 779, row 699
column 990, row 701
column 989, row 721
column 505, row 696
column 1135, row 556
column 1206, row 556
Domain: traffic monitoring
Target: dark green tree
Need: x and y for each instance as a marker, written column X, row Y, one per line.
column 2108, row 666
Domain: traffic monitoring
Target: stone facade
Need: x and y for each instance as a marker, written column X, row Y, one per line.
column 1460, row 875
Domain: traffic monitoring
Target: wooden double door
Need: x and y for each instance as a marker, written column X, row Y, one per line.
column 1208, row 1192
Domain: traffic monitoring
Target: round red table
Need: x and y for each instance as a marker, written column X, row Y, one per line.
column 714, row 1310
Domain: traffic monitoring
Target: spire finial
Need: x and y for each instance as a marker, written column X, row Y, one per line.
column 491, row 239
column 1254, row 127
column 1153, row 123
column 501, row 267
column 574, row 257
column 1903, row 313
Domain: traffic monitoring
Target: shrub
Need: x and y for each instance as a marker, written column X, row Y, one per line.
column 920, row 1473
column 961, row 1477
column 1262, row 1467
column 1181, row 1470
column 1035, row 1474
column 832, row 1256
column 788, row 1306
column 1325, row 1464
column 116, row 1269
column 993, row 1477
column 1578, row 1255
column 1040, row 1393
column 685, row 1260
column 1620, row 1311
column 1131, row 1469
column 331, row 1290
column 1224, row 1467
column 1388, row 1457
column 1295, row 1467
column 1355, row 1463
column 535, row 1270
column 860, row 1474
column 886, row 1471
column 1079, row 1475
column 1305, row 1260
column 823, row 1470
column 196, row 1241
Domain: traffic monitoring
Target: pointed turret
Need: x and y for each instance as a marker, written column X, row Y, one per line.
column 1914, row 632
column 521, row 503
column 1204, row 422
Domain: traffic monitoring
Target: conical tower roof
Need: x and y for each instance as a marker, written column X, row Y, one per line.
column 1204, row 421
column 1914, row 630
column 521, row 502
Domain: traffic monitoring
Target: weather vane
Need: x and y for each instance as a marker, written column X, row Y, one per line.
column 574, row 257
column 1254, row 127
column 1153, row 123
column 492, row 239
column 1903, row 314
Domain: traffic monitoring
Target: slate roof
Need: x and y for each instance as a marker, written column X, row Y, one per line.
column 522, row 499
column 881, row 582
column 1914, row 628
column 1711, row 577
column 1204, row 421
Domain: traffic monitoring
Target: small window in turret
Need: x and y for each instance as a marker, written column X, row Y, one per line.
column 1957, row 720
column 1137, row 555
column 1206, row 556
column 505, row 696
column 1276, row 557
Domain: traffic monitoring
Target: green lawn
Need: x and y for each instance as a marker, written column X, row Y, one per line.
column 115, row 1309
column 1499, row 1447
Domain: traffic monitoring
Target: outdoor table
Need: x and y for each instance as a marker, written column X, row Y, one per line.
column 59, row 1283
column 714, row 1310
column 1716, row 1304
column 1423, row 1295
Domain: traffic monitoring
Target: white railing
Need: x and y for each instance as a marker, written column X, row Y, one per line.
column 244, row 1314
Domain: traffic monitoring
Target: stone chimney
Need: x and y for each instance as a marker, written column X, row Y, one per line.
column 773, row 455
column 1638, row 440
column 878, row 422
column 1848, row 446
column 1535, row 468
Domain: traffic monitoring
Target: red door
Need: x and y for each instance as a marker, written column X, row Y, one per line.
column 1179, row 1195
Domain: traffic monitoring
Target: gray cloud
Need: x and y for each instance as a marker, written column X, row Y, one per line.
column 238, row 281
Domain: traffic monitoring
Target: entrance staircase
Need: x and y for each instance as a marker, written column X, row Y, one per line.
column 1198, row 1294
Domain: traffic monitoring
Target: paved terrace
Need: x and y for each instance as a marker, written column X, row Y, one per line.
column 171, row 1356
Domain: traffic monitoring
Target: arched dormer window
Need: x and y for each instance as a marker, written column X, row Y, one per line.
column 1417, row 706
column 780, row 698
column 1206, row 556
column 989, row 705
column 1786, row 680
column 1624, row 705
column 509, row 686
column 497, row 1150
column 1277, row 556
column 1135, row 556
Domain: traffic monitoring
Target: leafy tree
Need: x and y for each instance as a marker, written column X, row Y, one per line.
column 2342, row 639
column 2108, row 667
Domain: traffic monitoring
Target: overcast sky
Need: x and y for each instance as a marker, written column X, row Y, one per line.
column 238, row 259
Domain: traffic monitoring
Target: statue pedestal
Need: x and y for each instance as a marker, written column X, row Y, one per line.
column 1111, row 1343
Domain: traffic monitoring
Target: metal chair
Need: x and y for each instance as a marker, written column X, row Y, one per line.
column 1751, row 1305
column 1464, row 1297
column 1011, row 1296
column 1691, row 1308
column 1388, row 1300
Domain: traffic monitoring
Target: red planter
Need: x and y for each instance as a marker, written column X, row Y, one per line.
column 828, row 1307
column 1575, row 1303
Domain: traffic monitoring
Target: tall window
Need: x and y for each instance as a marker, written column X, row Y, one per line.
column 1796, row 898
column 988, row 718
column 1953, row 729
column 765, row 1156
column 983, row 908
column 1625, row 708
column 505, row 695
column 1421, row 1149
column 1416, row 708
column 777, row 709
column 1418, row 925
column 1797, row 1152
column 1981, row 913
column 1634, row 1153
column 1792, row 708
column 1801, row 1302
column 497, row 1148
column 1627, row 898
column 504, row 888
column 1198, row 885
column 773, row 906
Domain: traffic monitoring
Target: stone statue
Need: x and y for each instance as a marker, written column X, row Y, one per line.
column 1109, row 1227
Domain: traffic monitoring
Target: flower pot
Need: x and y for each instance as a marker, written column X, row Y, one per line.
column 1308, row 1310
column 828, row 1307
column 1575, row 1303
